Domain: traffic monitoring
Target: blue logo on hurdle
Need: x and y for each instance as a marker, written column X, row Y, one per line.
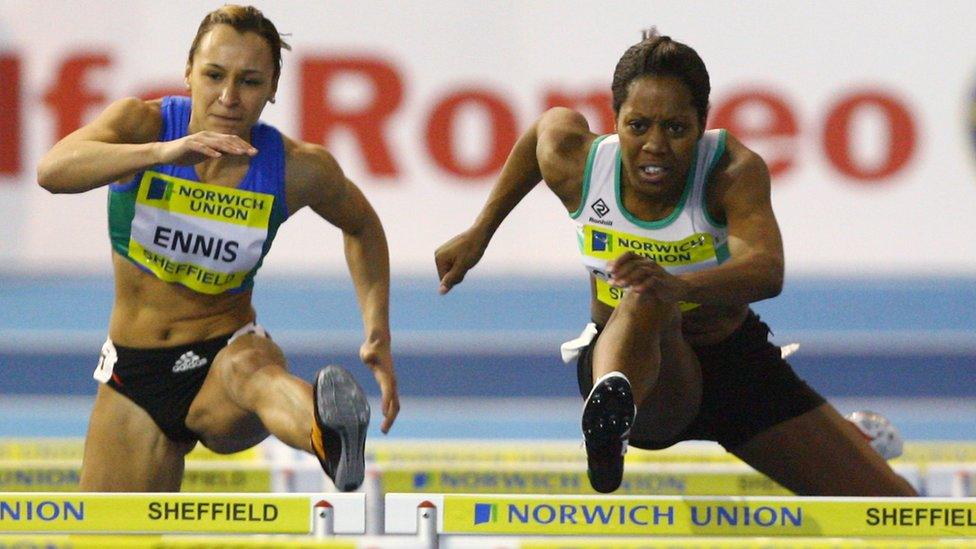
column 485, row 512
column 420, row 480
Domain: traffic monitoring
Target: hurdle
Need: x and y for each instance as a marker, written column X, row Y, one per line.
column 954, row 479
column 553, row 467
column 53, row 465
column 81, row 541
column 73, row 448
column 461, row 450
column 207, row 476
column 319, row 514
column 643, row 542
column 519, row 451
column 716, row 479
column 696, row 517
column 939, row 451
column 538, row 451
column 570, row 478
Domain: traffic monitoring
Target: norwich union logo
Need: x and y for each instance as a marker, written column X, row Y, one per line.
column 485, row 512
column 600, row 242
column 159, row 189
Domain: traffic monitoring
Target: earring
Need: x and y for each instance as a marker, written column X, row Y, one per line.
column 272, row 100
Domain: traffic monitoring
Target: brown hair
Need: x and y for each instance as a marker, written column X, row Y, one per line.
column 658, row 55
column 243, row 19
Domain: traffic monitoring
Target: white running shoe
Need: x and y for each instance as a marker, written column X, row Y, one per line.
column 880, row 433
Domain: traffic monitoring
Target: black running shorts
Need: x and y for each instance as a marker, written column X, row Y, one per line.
column 164, row 381
column 747, row 388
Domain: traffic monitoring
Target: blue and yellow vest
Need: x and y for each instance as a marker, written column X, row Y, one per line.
column 687, row 240
column 209, row 238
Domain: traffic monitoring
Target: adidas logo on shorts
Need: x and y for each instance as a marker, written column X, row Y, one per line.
column 188, row 361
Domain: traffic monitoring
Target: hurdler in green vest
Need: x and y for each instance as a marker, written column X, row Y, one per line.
column 677, row 234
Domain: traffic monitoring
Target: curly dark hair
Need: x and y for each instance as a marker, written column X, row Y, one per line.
column 658, row 55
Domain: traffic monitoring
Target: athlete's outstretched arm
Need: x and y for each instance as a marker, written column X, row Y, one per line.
column 120, row 142
column 754, row 270
column 550, row 149
column 321, row 184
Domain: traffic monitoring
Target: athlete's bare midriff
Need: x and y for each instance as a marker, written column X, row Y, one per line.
column 150, row 313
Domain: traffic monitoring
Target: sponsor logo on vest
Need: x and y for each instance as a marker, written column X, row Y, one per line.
column 229, row 204
column 159, row 189
column 188, row 361
column 601, row 242
column 661, row 252
column 226, row 205
column 600, row 207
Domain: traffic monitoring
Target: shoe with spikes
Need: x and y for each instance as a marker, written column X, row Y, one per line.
column 339, row 431
column 607, row 417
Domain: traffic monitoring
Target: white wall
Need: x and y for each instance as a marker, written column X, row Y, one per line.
column 810, row 57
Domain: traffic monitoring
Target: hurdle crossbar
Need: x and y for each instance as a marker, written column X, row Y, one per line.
column 513, row 514
column 101, row 513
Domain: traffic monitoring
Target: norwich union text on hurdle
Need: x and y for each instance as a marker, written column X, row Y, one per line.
column 647, row 515
column 44, row 510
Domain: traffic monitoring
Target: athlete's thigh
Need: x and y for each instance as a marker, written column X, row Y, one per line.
column 643, row 339
column 821, row 453
column 222, row 412
column 675, row 400
column 126, row 451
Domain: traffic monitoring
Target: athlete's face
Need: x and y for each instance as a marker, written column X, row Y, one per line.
column 658, row 129
column 231, row 79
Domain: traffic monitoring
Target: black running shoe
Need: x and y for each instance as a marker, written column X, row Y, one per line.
column 341, row 419
column 607, row 416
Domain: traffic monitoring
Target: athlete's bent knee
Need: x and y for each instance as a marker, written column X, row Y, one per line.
column 244, row 371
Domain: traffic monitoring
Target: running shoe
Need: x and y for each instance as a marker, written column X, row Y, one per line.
column 607, row 416
column 339, row 433
column 880, row 433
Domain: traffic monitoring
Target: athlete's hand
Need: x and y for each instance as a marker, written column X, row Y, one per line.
column 197, row 147
column 644, row 276
column 457, row 256
column 377, row 357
